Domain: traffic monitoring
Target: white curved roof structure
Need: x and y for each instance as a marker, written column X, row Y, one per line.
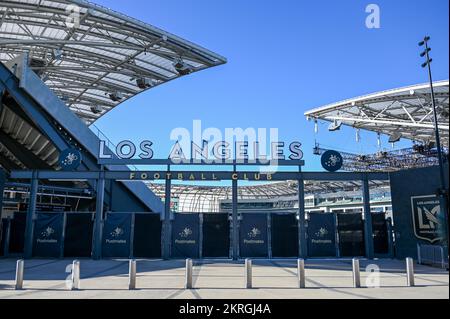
column 406, row 110
column 94, row 58
column 194, row 198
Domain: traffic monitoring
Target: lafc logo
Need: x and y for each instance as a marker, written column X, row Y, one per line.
column 431, row 221
column 426, row 217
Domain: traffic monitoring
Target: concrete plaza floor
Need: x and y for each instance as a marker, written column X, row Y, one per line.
column 221, row 279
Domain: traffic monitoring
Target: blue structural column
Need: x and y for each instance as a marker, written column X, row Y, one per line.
column 98, row 226
column 4, row 229
column 234, row 217
column 302, row 248
column 368, row 232
column 167, row 238
column 29, row 228
column 2, row 186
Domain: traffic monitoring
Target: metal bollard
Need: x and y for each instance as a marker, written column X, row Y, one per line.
column 248, row 273
column 75, row 275
column 356, row 273
column 132, row 275
column 409, row 272
column 301, row 273
column 188, row 284
column 19, row 274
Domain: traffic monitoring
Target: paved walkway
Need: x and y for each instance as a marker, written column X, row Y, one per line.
column 272, row 279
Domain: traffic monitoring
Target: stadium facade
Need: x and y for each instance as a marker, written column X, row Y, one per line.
column 65, row 64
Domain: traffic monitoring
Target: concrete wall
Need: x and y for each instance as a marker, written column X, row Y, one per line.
column 404, row 185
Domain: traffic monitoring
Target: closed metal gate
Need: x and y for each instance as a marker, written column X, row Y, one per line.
column 78, row 235
column 351, row 235
column 216, row 235
column 17, row 233
column 380, row 234
column 284, row 235
column 147, row 236
column 4, row 224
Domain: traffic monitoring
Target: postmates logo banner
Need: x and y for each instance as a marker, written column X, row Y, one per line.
column 116, row 232
column 321, row 235
column 48, row 232
column 185, row 235
column 253, row 235
column 427, row 218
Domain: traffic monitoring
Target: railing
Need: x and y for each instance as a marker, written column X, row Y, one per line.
column 433, row 255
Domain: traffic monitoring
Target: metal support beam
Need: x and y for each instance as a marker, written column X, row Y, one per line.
column 2, row 186
column 98, row 226
column 29, row 229
column 368, row 232
column 302, row 248
column 234, row 198
column 166, row 221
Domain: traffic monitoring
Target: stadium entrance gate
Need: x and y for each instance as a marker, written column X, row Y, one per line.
column 173, row 235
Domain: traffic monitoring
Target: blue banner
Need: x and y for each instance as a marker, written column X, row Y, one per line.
column 48, row 235
column 185, row 236
column 321, row 235
column 253, row 235
column 116, row 235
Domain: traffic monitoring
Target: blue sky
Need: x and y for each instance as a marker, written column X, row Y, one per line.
column 284, row 58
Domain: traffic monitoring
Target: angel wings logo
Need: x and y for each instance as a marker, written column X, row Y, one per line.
column 426, row 217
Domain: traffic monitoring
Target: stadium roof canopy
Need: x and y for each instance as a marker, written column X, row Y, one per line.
column 269, row 190
column 92, row 57
column 406, row 110
column 194, row 198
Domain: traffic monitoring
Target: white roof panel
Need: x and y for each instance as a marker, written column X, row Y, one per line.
column 104, row 53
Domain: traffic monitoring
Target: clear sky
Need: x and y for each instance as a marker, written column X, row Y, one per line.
column 284, row 58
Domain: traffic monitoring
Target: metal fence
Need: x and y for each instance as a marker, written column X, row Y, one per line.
column 433, row 255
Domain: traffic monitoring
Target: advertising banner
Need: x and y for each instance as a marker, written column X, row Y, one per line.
column 253, row 235
column 321, row 235
column 116, row 235
column 48, row 234
column 185, row 236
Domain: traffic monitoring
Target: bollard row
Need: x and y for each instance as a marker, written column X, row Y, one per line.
column 75, row 276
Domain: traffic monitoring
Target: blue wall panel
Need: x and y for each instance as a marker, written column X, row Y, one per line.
column 406, row 187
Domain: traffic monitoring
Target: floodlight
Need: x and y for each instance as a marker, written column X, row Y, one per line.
column 335, row 126
column 144, row 83
column 182, row 67
column 395, row 137
column 425, row 52
column 116, row 96
column 96, row 109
